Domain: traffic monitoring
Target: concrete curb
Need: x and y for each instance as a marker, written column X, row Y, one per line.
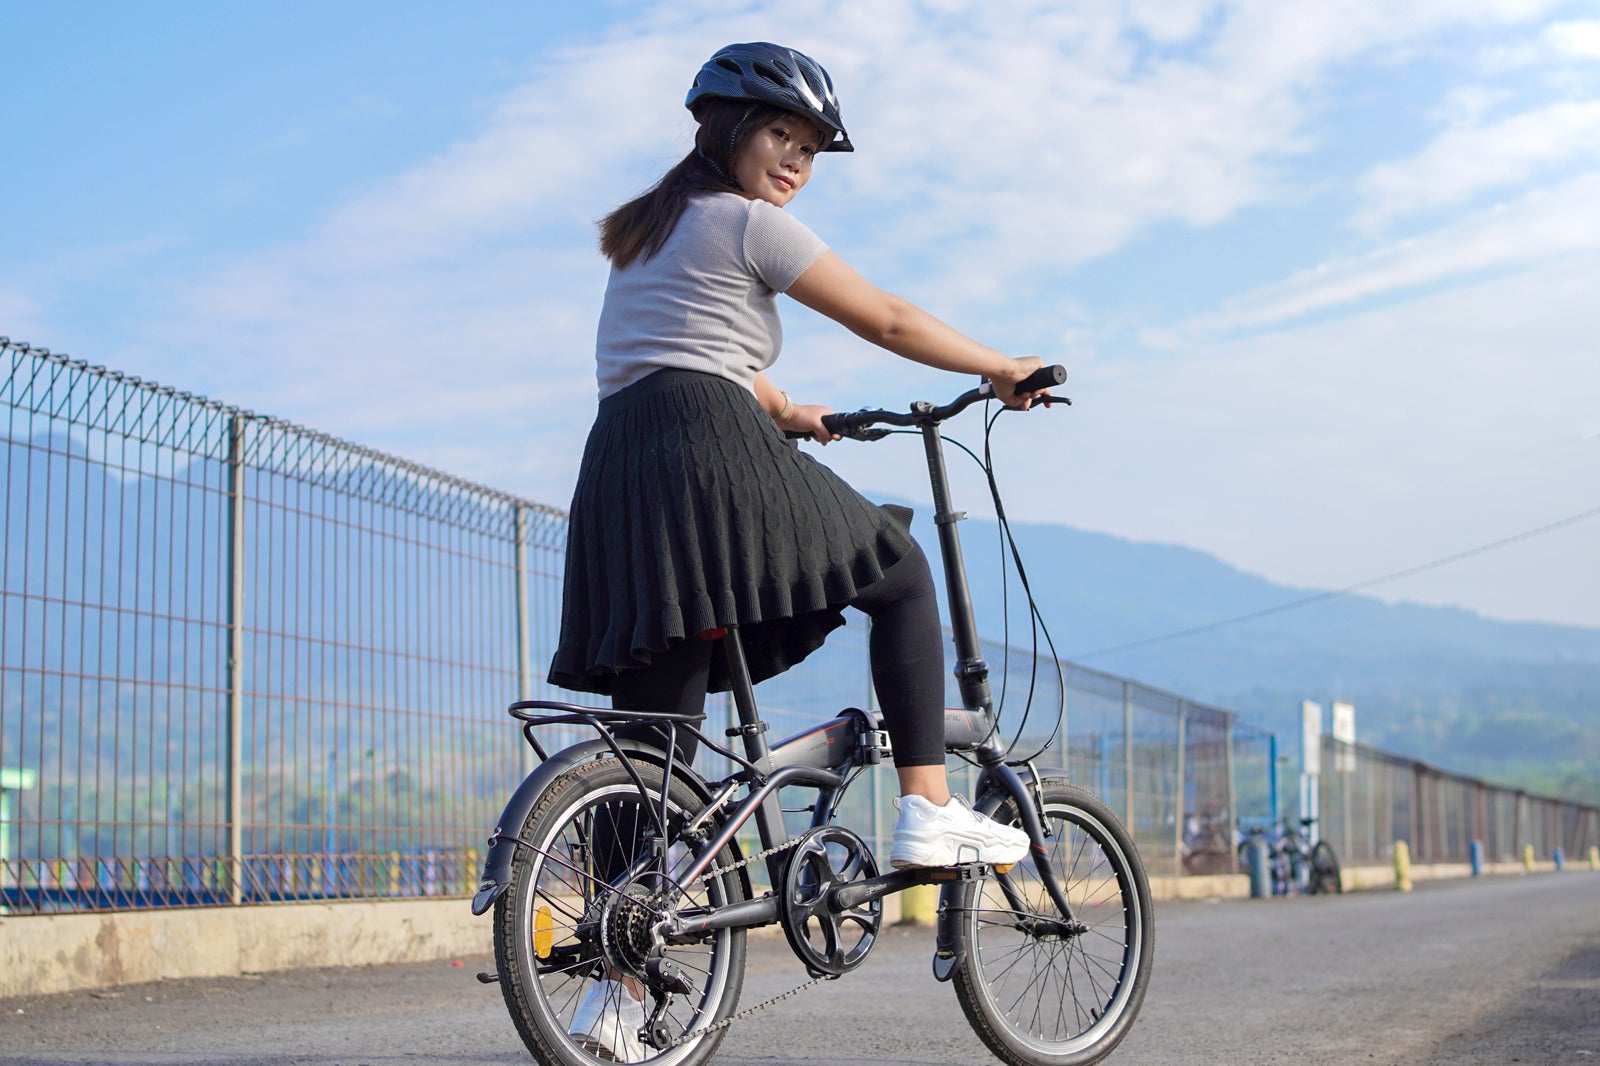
column 44, row 954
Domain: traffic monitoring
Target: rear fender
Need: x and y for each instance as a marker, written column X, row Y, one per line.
column 503, row 841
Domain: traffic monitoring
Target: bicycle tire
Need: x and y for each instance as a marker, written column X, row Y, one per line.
column 546, row 965
column 1325, row 875
column 1049, row 1000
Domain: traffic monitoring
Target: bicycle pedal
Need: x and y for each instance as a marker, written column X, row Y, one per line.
column 1004, row 867
column 967, row 871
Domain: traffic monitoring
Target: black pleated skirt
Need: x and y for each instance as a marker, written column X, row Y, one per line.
column 693, row 512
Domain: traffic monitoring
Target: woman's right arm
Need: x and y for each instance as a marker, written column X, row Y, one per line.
column 831, row 287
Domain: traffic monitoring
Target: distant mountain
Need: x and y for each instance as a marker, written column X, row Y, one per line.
column 1512, row 702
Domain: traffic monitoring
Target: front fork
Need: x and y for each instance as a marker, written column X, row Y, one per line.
column 957, row 898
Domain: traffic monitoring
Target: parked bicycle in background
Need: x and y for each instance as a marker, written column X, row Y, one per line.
column 1294, row 863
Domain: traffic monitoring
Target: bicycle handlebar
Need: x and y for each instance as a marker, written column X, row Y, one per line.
column 858, row 425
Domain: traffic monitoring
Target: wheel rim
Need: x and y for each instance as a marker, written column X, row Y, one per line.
column 1062, row 994
column 562, row 882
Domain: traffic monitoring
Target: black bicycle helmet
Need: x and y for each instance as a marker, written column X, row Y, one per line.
column 773, row 74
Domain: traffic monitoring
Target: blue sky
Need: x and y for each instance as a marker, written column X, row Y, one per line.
column 1324, row 274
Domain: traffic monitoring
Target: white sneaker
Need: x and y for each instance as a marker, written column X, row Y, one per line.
column 925, row 835
column 608, row 1022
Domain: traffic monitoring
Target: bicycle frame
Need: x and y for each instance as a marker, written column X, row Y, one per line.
column 805, row 759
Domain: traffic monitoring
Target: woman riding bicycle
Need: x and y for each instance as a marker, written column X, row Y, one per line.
column 693, row 512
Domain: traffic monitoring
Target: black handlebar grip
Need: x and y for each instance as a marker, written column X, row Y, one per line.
column 1044, row 378
column 835, row 424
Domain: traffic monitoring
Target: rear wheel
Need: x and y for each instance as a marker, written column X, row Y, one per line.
column 577, row 911
column 1325, row 875
column 1042, row 991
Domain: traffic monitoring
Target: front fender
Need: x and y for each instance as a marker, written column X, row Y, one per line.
column 503, row 842
column 994, row 788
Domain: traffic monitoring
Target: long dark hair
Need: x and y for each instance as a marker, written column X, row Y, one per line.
column 642, row 225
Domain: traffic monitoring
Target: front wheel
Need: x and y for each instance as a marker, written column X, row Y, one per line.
column 1325, row 875
column 576, row 930
column 1043, row 990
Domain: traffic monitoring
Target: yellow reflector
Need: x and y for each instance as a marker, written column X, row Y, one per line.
column 543, row 932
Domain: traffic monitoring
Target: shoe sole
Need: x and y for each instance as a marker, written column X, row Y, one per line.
column 997, row 867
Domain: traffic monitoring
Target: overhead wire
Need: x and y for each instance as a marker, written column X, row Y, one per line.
column 1319, row 597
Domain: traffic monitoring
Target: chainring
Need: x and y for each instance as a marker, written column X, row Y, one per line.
column 829, row 942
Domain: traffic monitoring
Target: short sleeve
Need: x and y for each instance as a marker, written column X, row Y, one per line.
column 779, row 247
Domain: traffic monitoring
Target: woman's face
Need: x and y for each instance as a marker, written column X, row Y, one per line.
column 775, row 161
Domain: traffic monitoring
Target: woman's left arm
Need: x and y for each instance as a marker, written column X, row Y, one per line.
column 831, row 287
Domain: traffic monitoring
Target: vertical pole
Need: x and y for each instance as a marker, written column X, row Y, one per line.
column 1104, row 785
column 524, row 624
column 1272, row 775
column 1127, row 750
column 1346, row 771
column 236, row 429
column 1233, row 798
column 1180, row 800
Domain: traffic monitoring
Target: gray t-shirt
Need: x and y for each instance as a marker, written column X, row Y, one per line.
column 707, row 300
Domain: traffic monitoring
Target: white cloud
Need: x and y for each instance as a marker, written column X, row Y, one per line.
column 1580, row 40
column 1542, row 225
column 1465, row 162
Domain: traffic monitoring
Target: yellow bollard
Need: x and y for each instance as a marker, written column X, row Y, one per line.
column 1594, row 857
column 919, row 905
column 1402, row 866
column 1527, row 857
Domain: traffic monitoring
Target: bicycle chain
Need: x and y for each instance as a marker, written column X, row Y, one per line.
column 695, row 1034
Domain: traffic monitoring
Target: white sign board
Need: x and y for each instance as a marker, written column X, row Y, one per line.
column 1344, row 731
column 1310, row 737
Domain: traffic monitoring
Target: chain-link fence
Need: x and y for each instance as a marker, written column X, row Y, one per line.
column 243, row 662
column 1369, row 799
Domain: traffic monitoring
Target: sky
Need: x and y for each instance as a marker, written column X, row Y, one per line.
column 1325, row 276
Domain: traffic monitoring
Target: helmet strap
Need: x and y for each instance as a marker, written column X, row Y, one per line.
column 733, row 144
column 716, row 168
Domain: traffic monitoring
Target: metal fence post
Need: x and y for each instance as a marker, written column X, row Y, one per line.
column 1179, row 798
column 236, row 429
column 1233, row 796
column 524, row 624
column 1127, row 751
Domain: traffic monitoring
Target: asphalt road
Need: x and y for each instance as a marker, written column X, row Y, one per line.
column 1504, row 970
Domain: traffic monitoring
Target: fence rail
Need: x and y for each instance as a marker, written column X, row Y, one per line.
column 245, row 662
column 1369, row 799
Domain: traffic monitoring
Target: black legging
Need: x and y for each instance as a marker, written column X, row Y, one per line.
column 907, row 653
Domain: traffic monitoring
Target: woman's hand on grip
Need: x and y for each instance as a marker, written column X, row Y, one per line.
column 807, row 418
column 1005, row 383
